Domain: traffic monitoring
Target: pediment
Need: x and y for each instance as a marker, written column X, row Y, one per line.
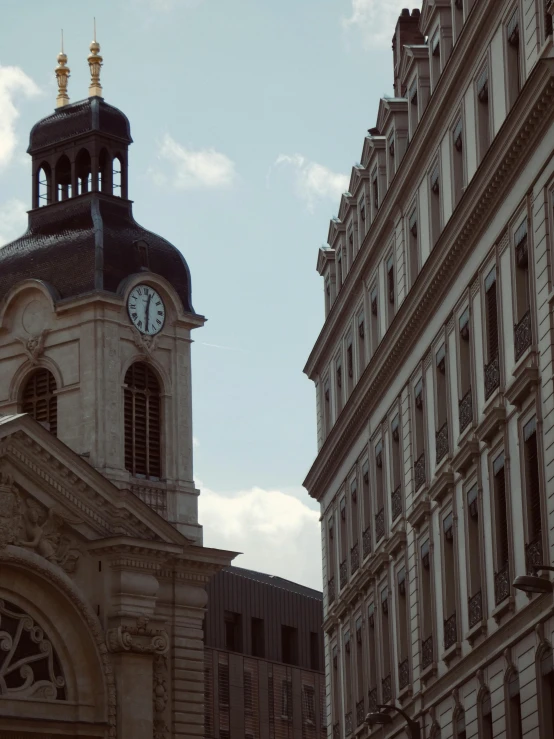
column 62, row 491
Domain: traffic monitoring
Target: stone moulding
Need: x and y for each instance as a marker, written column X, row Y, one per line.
column 489, row 184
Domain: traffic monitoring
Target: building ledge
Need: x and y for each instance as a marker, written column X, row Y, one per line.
column 429, row 672
column 506, row 607
column 526, row 379
column 420, row 511
column 405, row 693
column 493, row 422
column 452, row 652
column 380, row 562
column 442, row 485
column 466, row 455
column 396, row 542
column 475, row 632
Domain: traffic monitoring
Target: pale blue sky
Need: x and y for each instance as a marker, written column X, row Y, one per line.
column 246, row 116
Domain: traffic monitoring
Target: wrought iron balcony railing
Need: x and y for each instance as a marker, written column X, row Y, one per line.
column 372, row 700
column 396, row 503
column 475, row 609
column 331, row 590
column 533, row 554
column 465, row 410
column 404, row 674
column 360, row 713
column 419, row 472
column 427, row 652
column 441, row 442
column 386, row 684
column 343, row 574
column 501, row 584
column 492, row 376
column 354, row 558
column 450, row 631
column 348, row 723
column 380, row 525
column 336, row 731
column 523, row 335
column 366, row 542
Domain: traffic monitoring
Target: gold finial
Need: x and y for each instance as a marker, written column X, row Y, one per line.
column 62, row 76
column 95, row 63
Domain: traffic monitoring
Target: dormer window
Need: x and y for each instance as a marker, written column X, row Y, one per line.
column 375, row 190
column 435, row 59
column 483, row 86
column 412, row 108
column 391, row 144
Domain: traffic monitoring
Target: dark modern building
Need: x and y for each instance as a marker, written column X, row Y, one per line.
column 264, row 667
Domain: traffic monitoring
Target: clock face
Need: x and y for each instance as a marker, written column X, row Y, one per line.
column 146, row 309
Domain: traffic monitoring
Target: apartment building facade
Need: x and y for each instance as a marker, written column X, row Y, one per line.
column 263, row 656
column 434, row 383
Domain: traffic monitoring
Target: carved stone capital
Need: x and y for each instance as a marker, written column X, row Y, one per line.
column 139, row 638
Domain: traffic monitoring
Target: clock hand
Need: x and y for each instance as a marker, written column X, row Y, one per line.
column 147, row 311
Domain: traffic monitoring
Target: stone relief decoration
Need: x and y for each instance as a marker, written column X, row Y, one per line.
column 34, row 346
column 140, row 638
column 160, row 697
column 146, row 344
column 27, row 523
column 29, row 666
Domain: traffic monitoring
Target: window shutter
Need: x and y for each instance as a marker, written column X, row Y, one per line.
column 532, row 482
column 142, row 406
column 502, row 517
column 492, row 321
column 39, row 399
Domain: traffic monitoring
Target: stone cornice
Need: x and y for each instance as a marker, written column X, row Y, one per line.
column 445, row 97
column 509, row 151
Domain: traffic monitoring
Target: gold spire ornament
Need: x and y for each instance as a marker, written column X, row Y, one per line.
column 62, row 76
column 95, row 63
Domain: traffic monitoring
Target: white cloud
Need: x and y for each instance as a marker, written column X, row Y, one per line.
column 313, row 181
column 375, row 19
column 13, row 219
column 14, row 84
column 276, row 532
column 200, row 168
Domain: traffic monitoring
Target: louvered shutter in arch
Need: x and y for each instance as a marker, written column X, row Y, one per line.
column 533, row 486
column 39, row 399
column 492, row 321
column 142, row 410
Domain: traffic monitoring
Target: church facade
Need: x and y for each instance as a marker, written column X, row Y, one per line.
column 102, row 567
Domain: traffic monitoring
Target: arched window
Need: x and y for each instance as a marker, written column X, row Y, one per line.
column 39, row 399
column 117, row 176
column 105, row 173
column 485, row 715
column 545, row 679
column 43, row 185
column 142, row 422
column 63, row 178
column 83, row 171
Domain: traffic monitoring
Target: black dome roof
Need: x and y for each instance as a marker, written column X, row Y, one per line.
column 80, row 118
column 89, row 243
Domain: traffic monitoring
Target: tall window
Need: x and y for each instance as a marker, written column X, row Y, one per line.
column 465, row 401
column 361, row 343
column 427, row 647
column 142, row 422
column 532, row 494
column 390, row 288
column 326, row 406
column 485, row 711
column 331, row 560
column 441, row 436
column 338, row 384
column 39, row 399
column 374, row 192
column 483, row 113
column 545, row 679
column 513, row 72
column 396, row 502
column 403, row 631
column 413, row 111
column 379, row 493
column 449, row 594
column 435, row 59
column 366, row 537
column 419, row 429
column 233, row 631
column 386, row 683
column 347, row 678
column 374, row 320
column 349, row 366
column 522, row 328
column 359, row 667
column 474, row 536
column 458, row 160
column 343, row 543
column 513, row 717
column 502, row 552
column 372, row 659
column 355, row 523
column 492, row 368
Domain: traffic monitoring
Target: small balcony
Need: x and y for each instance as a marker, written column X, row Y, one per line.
column 533, row 554
column 386, row 684
column 450, row 631
column 441, row 442
column 331, row 590
column 372, row 700
column 343, row 573
column 380, row 525
column 523, row 336
column 404, row 674
column 348, row 723
column 366, row 542
column 396, row 503
column 360, row 713
column 492, row 376
column 501, row 584
column 475, row 609
column 427, row 652
column 465, row 410
column 354, row 559
column 419, row 472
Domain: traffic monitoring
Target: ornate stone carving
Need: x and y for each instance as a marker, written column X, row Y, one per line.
column 10, row 511
column 29, row 667
column 146, row 344
column 140, row 638
column 34, row 345
column 160, row 697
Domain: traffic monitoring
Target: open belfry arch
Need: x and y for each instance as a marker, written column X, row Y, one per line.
column 102, row 567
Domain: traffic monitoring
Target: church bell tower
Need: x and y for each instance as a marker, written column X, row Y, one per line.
column 96, row 313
